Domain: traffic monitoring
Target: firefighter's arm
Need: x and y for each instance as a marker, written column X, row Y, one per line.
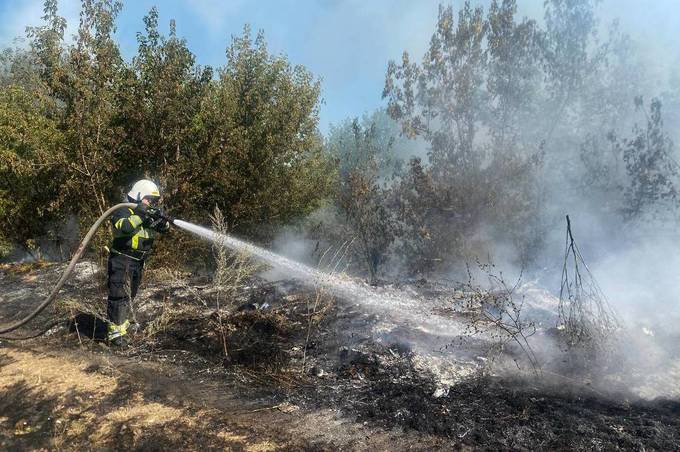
column 128, row 222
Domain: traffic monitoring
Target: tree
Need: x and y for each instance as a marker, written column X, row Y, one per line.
column 246, row 141
column 653, row 172
column 513, row 81
column 415, row 199
column 478, row 74
column 438, row 99
column 162, row 97
column 32, row 152
column 364, row 152
column 47, row 42
column 94, row 67
column 513, row 77
column 571, row 57
column 258, row 153
column 571, row 26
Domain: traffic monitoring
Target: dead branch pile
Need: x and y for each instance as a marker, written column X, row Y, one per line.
column 586, row 319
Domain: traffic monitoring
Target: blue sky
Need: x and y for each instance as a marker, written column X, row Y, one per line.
column 346, row 43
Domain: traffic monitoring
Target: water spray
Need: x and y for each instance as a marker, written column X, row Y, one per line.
column 398, row 304
column 395, row 303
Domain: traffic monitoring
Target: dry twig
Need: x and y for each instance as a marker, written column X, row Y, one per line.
column 585, row 315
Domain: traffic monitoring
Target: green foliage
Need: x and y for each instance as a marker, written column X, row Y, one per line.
column 46, row 46
column 32, row 150
column 245, row 141
column 161, row 96
column 259, row 155
column 94, row 68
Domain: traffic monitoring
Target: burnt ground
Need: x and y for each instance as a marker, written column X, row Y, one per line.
column 502, row 414
column 280, row 385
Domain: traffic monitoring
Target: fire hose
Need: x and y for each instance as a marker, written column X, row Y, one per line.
column 67, row 272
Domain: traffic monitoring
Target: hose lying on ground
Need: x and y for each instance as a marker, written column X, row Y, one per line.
column 71, row 266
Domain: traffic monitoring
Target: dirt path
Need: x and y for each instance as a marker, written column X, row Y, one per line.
column 58, row 400
column 79, row 399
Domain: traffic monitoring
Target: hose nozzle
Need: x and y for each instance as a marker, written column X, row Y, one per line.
column 157, row 214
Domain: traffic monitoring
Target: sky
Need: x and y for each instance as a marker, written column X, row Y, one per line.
column 345, row 43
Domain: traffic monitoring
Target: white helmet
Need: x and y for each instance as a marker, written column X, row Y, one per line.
column 143, row 188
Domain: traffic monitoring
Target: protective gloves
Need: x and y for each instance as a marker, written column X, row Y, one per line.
column 153, row 217
column 159, row 220
column 160, row 225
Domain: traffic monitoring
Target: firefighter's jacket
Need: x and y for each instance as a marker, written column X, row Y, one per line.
column 131, row 237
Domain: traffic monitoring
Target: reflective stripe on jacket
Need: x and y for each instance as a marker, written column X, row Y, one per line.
column 129, row 234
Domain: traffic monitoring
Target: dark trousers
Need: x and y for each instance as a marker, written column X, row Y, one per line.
column 125, row 274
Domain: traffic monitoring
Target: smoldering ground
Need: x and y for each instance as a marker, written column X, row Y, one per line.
column 635, row 272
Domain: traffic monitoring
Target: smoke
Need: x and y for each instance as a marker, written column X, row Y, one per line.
column 641, row 279
column 294, row 246
column 636, row 267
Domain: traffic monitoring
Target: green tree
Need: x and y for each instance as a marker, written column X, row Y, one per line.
column 246, row 141
column 94, row 68
column 32, row 150
column 258, row 153
column 47, row 43
column 162, row 97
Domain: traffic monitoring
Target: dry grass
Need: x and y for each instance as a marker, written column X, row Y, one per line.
column 211, row 306
column 497, row 315
column 59, row 402
column 23, row 268
column 232, row 270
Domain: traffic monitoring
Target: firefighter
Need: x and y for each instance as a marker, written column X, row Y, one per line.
column 134, row 231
